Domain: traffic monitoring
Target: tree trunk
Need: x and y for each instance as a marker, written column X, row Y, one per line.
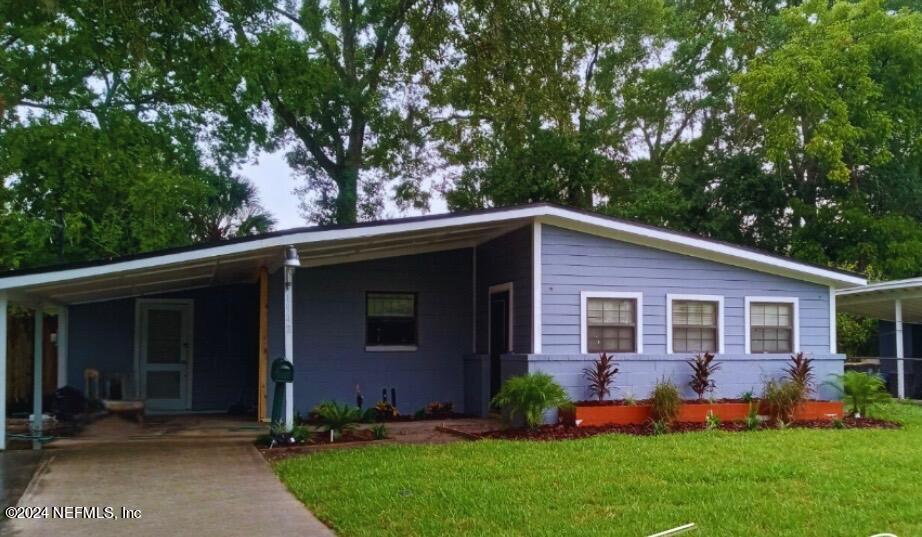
column 347, row 178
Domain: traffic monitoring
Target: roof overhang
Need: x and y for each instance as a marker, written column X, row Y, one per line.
column 878, row 300
column 240, row 260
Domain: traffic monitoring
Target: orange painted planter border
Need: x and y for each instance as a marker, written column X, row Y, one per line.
column 820, row 410
column 697, row 412
column 587, row 416
column 590, row 416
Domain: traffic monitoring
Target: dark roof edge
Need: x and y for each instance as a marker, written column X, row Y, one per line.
column 408, row 219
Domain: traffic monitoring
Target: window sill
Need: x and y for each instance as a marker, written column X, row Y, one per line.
column 391, row 348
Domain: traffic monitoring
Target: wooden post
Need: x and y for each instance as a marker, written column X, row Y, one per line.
column 262, row 402
column 62, row 346
column 3, row 321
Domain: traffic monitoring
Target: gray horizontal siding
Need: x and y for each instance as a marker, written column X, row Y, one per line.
column 572, row 262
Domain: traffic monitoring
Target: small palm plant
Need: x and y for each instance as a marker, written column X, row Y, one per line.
column 861, row 392
column 601, row 376
column 529, row 396
column 703, row 368
column 337, row 418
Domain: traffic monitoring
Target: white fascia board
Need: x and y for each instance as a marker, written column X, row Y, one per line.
column 895, row 285
column 638, row 234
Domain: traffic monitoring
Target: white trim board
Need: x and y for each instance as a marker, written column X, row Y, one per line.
column 492, row 290
column 536, row 298
column 833, row 324
column 627, row 231
column 747, row 325
column 583, row 312
column 702, row 298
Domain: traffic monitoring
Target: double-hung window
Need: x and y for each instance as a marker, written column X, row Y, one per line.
column 390, row 321
column 771, row 325
column 611, row 322
column 695, row 324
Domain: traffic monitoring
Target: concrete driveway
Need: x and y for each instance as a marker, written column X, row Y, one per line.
column 170, row 487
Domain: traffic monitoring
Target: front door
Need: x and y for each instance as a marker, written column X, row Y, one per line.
column 499, row 336
column 165, row 354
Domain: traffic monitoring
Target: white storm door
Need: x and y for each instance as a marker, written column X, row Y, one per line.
column 165, row 354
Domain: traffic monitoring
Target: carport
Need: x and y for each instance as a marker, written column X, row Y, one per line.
column 898, row 306
column 265, row 263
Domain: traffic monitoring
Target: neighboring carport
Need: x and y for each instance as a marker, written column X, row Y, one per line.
column 898, row 306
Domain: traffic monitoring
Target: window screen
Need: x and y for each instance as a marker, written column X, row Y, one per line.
column 771, row 327
column 694, row 326
column 390, row 319
column 611, row 325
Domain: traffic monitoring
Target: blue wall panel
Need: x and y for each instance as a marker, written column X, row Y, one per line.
column 329, row 332
column 225, row 334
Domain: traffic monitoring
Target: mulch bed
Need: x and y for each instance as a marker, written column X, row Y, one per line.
column 428, row 417
column 640, row 402
column 317, row 441
column 565, row 432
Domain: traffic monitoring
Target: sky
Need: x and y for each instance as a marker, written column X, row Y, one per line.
column 272, row 176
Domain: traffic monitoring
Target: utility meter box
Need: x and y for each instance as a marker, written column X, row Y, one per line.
column 283, row 370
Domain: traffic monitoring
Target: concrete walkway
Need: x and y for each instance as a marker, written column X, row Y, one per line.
column 179, row 487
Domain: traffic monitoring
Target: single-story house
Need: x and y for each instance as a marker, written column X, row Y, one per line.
column 435, row 308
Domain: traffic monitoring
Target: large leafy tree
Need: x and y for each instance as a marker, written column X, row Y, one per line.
column 100, row 154
column 528, row 106
column 834, row 108
column 336, row 84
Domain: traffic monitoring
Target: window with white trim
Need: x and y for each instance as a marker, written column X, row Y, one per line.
column 611, row 324
column 771, row 327
column 695, row 326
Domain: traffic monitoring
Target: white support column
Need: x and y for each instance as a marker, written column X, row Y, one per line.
column 536, row 298
column 38, row 352
column 289, row 345
column 833, row 336
column 900, row 370
column 3, row 307
column 63, row 319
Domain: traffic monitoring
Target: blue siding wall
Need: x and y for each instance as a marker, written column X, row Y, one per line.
column 225, row 340
column 573, row 262
column 101, row 336
column 329, row 316
column 506, row 259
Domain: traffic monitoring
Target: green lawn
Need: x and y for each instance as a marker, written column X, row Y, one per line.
column 768, row 483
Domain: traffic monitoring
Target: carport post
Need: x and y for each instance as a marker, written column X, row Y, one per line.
column 291, row 263
column 3, row 306
column 62, row 346
column 900, row 370
column 37, row 377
